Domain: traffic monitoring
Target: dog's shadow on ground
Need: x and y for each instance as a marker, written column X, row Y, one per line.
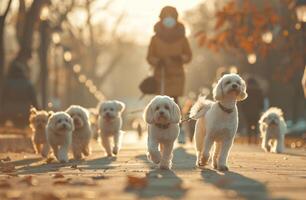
column 103, row 163
column 237, row 185
column 182, row 160
column 40, row 168
column 161, row 184
column 165, row 183
column 28, row 166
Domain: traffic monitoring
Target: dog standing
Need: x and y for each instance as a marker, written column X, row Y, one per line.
column 163, row 116
column 110, row 124
column 217, row 121
column 273, row 129
column 59, row 134
column 82, row 131
column 38, row 121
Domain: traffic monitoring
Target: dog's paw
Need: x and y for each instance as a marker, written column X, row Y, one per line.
column 267, row 148
column 86, row 151
column 115, row 150
column 202, row 161
column 215, row 165
column 78, row 157
column 154, row 157
column 164, row 167
column 222, row 168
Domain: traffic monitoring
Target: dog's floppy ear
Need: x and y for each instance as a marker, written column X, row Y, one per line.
column 120, row 106
column 243, row 94
column 148, row 114
column 100, row 107
column 33, row 110
column 175, row 113
column 218, row 91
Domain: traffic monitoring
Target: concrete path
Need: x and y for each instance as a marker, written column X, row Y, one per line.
column 253, row 175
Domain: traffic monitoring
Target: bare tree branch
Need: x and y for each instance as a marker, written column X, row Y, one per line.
column 7, row 9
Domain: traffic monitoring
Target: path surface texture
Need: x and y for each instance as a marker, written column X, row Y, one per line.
column 253, row 175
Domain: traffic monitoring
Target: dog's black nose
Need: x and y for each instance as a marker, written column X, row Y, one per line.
column 161, row 113
column 234, row 86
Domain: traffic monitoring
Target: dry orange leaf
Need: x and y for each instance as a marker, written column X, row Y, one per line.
column 5, row 184
column 58, row 175
column 7, row 167
column 30, row 181
column 135, row 182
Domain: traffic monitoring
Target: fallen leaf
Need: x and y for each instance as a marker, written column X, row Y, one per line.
column 30, row 181
column 101, row 177
column 62, row 182
column 5, row 184
column 83, row 183
column 58, row 175
column 135, row 182
column 7, row 167
column 7, row 159
column 74, row 167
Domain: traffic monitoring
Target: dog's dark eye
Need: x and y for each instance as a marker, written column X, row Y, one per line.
column 59, row 121
column 111, row 109
column 104, row 109
column 157, row 108
column 227, row 82
column 238, row 82
column 167, row 107
column 66, row 120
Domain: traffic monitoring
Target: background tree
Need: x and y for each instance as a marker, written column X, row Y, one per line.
column 262, row 38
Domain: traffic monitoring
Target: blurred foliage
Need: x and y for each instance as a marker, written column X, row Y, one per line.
column 250, row 27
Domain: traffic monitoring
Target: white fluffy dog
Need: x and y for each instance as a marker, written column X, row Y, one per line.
column 217, row 121
column 110, row 123
column 273, row 129
column 82, row 131
column 59, row 134
column 163, row 116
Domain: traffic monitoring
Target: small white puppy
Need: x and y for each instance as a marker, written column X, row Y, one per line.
column 273, row 129
column 59, row 134
column 217, row 121
column 82, row 131
column 110, row 124
column 163, row 116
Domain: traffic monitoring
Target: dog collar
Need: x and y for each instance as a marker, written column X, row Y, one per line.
column 227, row 110
column 163, row 126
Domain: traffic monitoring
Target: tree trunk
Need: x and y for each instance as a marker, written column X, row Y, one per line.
column 2, row 53
column 32, row 16
column 43, row 57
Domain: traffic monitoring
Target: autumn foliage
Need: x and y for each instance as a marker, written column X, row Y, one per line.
column 244, row 26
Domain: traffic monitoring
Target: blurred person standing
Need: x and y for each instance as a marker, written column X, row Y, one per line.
column 168, row 51
column 17, row 97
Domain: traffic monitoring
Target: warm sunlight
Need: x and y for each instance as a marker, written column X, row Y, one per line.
column 141, row 15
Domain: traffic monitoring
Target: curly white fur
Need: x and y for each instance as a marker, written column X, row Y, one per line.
column 59, row 134
column 110, row 124
column 163, row 116
column 82, row 131
column 273, row 129
column 215, row 126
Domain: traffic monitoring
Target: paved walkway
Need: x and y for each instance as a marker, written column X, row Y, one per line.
column 253, row 175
